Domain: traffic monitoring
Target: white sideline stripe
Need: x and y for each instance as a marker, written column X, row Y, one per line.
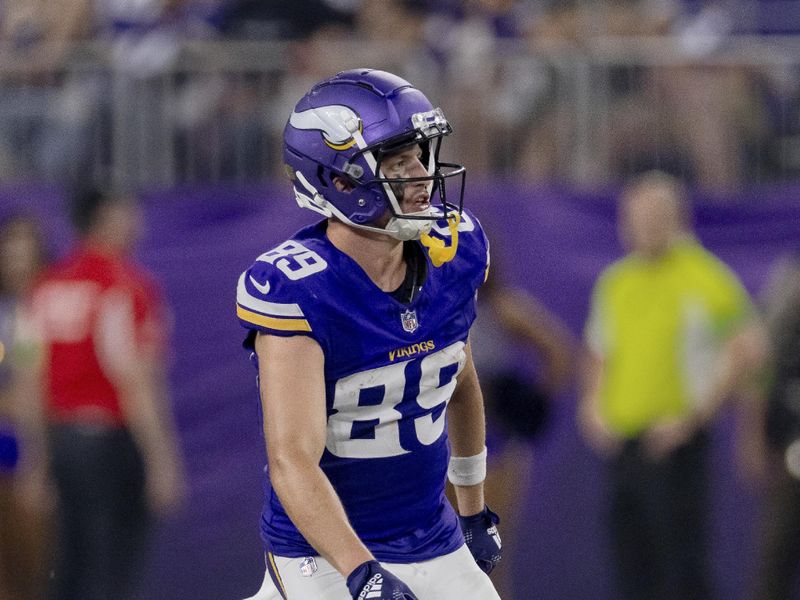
column 247, row 300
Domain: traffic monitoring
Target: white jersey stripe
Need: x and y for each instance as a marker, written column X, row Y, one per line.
column 276, row 309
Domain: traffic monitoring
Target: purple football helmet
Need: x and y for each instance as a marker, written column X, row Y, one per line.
column 344, row 127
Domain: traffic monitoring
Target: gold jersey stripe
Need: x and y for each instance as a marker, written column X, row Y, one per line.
column 271, row 322
column 277, row 574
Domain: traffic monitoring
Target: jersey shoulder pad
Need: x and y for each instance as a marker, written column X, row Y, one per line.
column 271, row 295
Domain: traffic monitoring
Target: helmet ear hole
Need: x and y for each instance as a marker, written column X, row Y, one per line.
column 342, row 183
column 321, row 176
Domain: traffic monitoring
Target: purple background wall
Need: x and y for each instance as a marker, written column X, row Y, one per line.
column 550, row 241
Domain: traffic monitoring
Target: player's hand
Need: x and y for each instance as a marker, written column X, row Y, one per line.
column 166, row 487
column 667, row 436
column 371, row 580
column 596, row 433
column 483, row 541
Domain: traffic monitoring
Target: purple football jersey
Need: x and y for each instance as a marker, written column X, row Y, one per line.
column 390, row 370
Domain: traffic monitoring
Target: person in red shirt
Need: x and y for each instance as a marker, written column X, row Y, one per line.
column 113, row 455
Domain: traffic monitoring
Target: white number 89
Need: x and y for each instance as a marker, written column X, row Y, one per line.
column 379, row 418
column 294, row 260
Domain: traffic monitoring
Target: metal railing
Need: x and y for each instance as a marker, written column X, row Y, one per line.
column 163, row 112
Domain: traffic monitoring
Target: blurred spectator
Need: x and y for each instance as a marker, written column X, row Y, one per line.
column 113, row 456
column 488, row 87
column 229, row 124
column 691, row 116
column 524, row 355
column 764, row 17
column 237, row 131
column 277, row 19
column 771, row 448
column 671, row 335
column 35, row 38
column 125, row 114
column 553, row 136
column 657, row 94
column 23, row 494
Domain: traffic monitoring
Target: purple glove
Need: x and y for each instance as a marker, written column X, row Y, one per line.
column 483, row 541
column 371, row 580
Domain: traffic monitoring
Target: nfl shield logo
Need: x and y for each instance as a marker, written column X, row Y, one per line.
column 308, row 566
column 409, row 320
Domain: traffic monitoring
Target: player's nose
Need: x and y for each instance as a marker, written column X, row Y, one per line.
column 417, row 169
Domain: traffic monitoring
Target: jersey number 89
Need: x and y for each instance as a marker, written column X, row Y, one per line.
column 294, row 260
column 366, row 421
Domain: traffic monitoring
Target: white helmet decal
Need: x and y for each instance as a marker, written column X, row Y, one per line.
column 337, row 124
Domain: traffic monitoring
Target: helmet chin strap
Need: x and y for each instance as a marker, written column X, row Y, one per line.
column 409, row 229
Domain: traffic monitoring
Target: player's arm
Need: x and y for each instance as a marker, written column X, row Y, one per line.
column 137, row 373
column 291, row 371
column 467, row 469
column 740, row 359
column 780, row 299
column 590, row 419
column 591, row 422
column 467, row 431
column 28, row 406
column 529, row 320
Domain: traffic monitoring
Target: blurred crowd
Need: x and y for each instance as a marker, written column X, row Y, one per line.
column 166, row 91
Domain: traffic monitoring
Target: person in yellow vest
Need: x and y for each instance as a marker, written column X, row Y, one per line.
column 670, row 335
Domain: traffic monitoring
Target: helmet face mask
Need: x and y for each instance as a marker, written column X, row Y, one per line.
column 346, row 127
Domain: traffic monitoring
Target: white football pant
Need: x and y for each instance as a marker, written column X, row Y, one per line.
column 453, row 576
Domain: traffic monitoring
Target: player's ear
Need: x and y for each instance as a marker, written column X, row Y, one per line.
column 343, row 184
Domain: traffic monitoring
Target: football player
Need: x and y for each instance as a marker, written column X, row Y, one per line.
column 359, row 328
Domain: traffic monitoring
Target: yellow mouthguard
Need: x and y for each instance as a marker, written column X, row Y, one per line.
column 437, row 250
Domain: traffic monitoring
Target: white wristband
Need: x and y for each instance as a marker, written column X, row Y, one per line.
column 467, row 470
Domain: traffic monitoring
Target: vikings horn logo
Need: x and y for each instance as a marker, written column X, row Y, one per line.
column 337, row 124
